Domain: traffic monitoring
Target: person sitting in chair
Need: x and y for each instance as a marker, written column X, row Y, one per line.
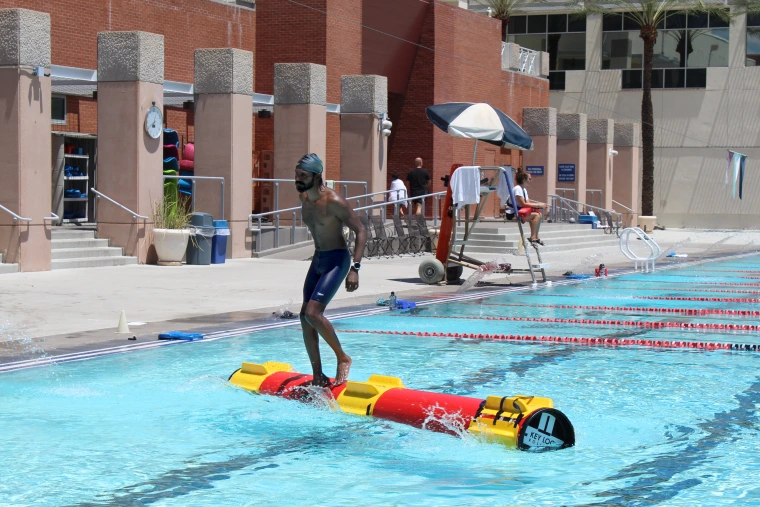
column 528, row 211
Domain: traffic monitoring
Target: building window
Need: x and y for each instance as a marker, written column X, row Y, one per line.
column 58, row 109
column 753, row 40
column 686, row 45
column 563, row 36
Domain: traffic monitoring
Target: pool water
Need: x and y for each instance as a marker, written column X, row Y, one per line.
column 654, row 426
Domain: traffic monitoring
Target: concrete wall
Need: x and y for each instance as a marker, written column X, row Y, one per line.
column 693, row 130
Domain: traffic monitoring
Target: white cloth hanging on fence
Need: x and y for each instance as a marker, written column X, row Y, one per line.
column 465, row 186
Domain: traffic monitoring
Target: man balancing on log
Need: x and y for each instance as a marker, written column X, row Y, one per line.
column 325, row 213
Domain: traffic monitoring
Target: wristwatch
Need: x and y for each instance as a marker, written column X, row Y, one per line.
column 356, row 266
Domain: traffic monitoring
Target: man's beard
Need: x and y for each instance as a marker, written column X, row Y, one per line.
column 303, row 187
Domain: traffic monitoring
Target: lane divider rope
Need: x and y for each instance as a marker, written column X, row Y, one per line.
column 600, row 322
column 574, row 340
column 697, row 298
column 682, row 311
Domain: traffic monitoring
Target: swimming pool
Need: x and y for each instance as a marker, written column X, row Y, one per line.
column 654, row 425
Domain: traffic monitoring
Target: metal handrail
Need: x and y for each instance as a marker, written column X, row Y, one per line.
column 15, row 216
column 52, row 218
column 564, row 191
column 193, row 178
column 623, row 206
column 593, row 192
column 135, row 216
column 527, row 59
column 277, row 182
column 625, row 248
column 572, row 206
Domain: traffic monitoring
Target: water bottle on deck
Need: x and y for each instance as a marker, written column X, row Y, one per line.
column 392, row 301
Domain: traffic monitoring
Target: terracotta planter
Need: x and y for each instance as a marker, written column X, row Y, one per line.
column 647, row 223
column 170, row 245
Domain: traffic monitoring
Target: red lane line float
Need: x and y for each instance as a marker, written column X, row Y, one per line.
column 580, row 341
column 522, row 422
column 597, row 322
column 689, row 298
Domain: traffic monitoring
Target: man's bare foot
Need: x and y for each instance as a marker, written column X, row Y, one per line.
column 341, row 376
column 320, row 380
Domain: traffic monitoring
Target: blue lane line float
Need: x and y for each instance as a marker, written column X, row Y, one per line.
column 179, row 335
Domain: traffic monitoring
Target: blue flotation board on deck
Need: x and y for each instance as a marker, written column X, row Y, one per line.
column 179, row 335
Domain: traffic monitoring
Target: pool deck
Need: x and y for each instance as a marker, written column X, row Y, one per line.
column 66, row 311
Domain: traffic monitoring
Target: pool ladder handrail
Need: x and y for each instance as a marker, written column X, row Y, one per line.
column 625, row 248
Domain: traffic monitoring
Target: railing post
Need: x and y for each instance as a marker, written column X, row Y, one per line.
column 260, row 238
column 293, row 229
column 276, row 195
column 277, row 230
column 222, row 181
column 192, row 194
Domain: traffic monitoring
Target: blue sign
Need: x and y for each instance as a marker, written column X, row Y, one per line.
column 535, row 170
column 566, row 172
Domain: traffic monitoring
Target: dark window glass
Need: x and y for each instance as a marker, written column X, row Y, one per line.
column 631, row 79
column 567, row 51
column 708, row 48
column 696, row 78
column 753, row 19
column 657, row 78
column 671, row 49
column 612, row 22
column 675, row 78
column 753, row 50
column 630, row 24
column 537, row 24
column 557, row 80
column 576, row 23
column 557, row 23
column 517, row 24
column 622, row 50
column 676, row 21
column 661, row 25
column 58, row 108
column 717, row 22
column 535, row 42
column 698, row 20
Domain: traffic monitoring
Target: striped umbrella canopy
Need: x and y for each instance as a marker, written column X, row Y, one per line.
column 479, row 121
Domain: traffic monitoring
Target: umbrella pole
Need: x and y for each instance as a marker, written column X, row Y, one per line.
column 474, row 151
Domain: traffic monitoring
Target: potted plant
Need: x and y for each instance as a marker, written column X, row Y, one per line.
column 171, row 232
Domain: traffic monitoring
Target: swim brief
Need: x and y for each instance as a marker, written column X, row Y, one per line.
column 327, row 272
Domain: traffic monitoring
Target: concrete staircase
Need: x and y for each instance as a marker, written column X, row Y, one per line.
column 7, row 268
column 77, row 248
column 496, row 238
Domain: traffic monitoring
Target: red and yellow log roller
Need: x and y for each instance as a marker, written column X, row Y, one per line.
column 524, row 422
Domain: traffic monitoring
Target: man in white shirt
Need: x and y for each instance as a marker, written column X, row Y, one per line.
column 397, row 193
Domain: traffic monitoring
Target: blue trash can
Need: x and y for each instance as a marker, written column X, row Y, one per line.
column 219, row 243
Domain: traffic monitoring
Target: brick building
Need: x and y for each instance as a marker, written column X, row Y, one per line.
column 431, row 52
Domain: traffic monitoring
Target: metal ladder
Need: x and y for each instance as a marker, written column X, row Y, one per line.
column 625, row 248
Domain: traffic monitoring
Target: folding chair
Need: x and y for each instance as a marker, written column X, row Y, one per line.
column 381, row 235
column 416, row 240
column 427, row 238
column 373, row 244
column 402, row 239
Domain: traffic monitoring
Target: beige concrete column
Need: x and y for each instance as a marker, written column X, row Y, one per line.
column 571, row 153
column 130, row 171
column 223, row 139
column 363, row 148
column 625, row 181
column 300, row 121
column 599, row 162
column 540, row 123
column 25, row 140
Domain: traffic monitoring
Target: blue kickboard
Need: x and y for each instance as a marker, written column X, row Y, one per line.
column 578, row 277
column 179, row 335
column 405, row 305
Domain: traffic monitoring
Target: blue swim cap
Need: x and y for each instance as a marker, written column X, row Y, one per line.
column 311, row 163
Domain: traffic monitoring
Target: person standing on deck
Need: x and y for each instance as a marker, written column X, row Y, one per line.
column 325, row 213
column 418, row 179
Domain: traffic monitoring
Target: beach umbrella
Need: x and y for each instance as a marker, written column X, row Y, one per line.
column 479, row 121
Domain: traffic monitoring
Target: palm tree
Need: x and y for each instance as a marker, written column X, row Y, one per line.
column 649, row 14
column 505, row 9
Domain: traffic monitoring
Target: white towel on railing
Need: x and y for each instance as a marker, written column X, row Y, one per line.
column 465, row 186
column 502, row 187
